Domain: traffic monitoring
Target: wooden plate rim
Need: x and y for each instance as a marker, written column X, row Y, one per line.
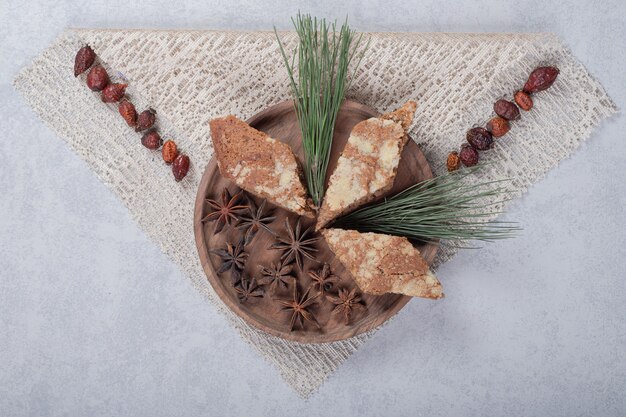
column 203, row 250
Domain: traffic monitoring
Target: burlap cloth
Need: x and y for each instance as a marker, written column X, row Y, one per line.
column 193, row 76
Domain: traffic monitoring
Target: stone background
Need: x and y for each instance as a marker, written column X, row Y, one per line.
column 531, row 326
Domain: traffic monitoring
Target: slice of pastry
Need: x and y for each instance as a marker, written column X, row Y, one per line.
column 367, row 166
column 259, row 164
column 382, row 263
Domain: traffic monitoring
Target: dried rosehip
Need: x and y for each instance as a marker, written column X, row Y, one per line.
column 453, row 162
column 128, row 112
column 523, row 100
column 151, row 140
column 180, row 167
column 97, row 78
column 479, row 138
column 468, row 155
column 146, row 120
column 113, row 93
column 84, row 59
column 498, row 126
column 541, row 79
column 506, row 109
column 169, row 151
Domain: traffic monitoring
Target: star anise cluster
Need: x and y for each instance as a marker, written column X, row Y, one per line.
column 296, row 245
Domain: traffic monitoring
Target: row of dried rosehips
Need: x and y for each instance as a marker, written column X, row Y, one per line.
column 481, row 139
column 98, row 80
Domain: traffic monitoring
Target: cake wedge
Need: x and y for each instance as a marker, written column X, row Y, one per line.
column 382, row 263
column 367, row 166
column 259, row 164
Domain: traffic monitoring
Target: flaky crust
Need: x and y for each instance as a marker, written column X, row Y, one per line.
column 259, row 164
column 382, row 263
column 368, row 164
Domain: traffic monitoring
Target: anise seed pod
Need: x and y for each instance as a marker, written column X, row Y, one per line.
column 180, row 167
column 169, row 151
column 84, row 59
column 146, row 119
column 346, row 302
column 97, row 78
column 128, row 112
column 151, row 140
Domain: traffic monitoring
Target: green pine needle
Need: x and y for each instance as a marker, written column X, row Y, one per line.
column 324, row 56
column 446, row 207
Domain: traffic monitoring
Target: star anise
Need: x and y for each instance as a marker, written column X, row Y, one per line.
column 248, row 289
column 224, row 212
column 233, row 259
column 346, row 302
column 277, row 275
column 298, row 305
column 296, row 245
column 255, row 219
column 323, row 279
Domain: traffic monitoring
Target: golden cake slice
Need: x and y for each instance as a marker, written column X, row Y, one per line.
column 382, row 263
column 368, row 164
column 259, row 164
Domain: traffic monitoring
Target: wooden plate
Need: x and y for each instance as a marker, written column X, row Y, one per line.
column 280, row 122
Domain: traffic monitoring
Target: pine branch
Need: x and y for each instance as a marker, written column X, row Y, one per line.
column 446, row 207
column 324, row 56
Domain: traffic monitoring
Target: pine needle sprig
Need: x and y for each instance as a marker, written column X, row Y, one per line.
column 324, row 55
column 447, row 207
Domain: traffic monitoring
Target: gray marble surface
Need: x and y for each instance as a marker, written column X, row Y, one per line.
column 94, row 320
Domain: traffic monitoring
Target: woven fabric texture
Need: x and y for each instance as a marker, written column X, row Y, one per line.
column 189, row 77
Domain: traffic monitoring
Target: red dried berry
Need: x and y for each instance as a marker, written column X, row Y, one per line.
column 180, row 167
column 523, row 100
column 468, row 155
column 454, row 161
column 541, row 79
column 498, row 126
column 169, row 151
column 506, row 109
column 146, row 120
column 113, row 93
column 151, row 140
column 97, row 79
column 479, row 138
column 84, row 59
column 128, row 112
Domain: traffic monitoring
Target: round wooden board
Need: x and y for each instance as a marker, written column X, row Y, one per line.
column 280, row 122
